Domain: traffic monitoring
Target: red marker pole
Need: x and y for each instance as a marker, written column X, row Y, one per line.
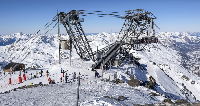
column 24, row 77
column 9, row 80
column 20, row 79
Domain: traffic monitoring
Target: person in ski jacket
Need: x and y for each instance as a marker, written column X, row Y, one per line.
column 96, row 74
column 36, row 74
column 20, row 72
column 41, row 73
column 137, row 63
column 74, row 76
column 49, row 80
column 63, row 73
column 66, row 77
column 47, row 73
column 31, row 75
column 60, row 79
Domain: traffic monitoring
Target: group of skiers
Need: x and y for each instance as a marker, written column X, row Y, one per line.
column 35, row 76
column 64, row 78
column 51, row 81
column 74, row 76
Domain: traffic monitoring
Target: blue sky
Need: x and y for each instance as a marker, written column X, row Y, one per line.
column 28, row 16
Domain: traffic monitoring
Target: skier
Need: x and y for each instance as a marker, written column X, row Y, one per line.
column 60, row 79
column 79, row 73
column 96, row 74
column 74, row 76
column 127, row 72
column 138, row 64
column 49, row 80
column 20, row 73
column 63, row 73
column 47, row 73
column 66, row 77
column 41, row 73
column 36, row 74
column 31, row 75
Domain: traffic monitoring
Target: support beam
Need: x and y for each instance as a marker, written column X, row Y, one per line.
column 149, row 32
column 59, row 37
column 70, row 44
column 77, row 34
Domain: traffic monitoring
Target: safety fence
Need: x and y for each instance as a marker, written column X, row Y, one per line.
column 13, row 81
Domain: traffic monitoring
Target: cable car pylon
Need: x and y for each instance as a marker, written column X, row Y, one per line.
column 136, row 23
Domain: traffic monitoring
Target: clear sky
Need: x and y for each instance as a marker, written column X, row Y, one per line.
column 28, row 16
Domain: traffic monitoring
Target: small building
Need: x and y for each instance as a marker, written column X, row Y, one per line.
column 65, row 44
column 110, row 75
column 14, row 66
column 116, row 62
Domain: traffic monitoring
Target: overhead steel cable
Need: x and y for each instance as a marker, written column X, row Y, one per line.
column 32, row 37
column 46, row 24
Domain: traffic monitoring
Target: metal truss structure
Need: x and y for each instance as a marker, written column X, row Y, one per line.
column 71, row 22
column 136, row 23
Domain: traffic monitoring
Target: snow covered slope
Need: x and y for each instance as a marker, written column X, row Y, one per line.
column 162, row 61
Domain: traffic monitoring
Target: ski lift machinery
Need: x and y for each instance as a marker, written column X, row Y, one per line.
column 136, row 22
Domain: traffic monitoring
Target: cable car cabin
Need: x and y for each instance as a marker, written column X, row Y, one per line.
column 151, row 39
column 137, row 41
column 134, row 41
column 154, row 39
column 145, row 40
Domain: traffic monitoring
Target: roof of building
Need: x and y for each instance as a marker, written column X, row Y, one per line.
column 11, row 65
